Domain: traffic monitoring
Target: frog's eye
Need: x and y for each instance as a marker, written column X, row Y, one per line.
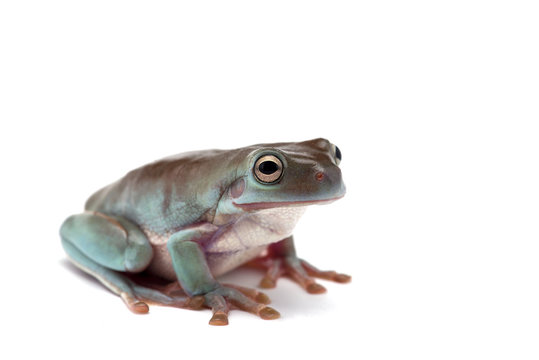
column 338, row 155
column 268, row 169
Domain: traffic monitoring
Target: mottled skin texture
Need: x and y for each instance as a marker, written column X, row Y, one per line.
column 194, row 216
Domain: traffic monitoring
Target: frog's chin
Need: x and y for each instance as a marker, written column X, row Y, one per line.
column 281, row 204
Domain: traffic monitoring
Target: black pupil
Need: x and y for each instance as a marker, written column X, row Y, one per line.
column 338, row 153
column 268, row 167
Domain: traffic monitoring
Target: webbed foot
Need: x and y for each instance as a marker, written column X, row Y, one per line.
column 281, row 260
column 137, row 298
column 226, row 296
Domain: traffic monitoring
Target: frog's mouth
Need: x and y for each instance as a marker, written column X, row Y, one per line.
column 279, row 204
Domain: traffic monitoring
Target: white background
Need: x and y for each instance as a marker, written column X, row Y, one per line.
column 433, row 104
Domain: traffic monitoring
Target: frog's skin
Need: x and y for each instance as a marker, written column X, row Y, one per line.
column 192, row 217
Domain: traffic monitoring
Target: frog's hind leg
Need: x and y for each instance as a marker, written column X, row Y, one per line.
column 104, row 247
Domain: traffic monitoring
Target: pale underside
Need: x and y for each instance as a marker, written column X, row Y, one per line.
column 232, row 244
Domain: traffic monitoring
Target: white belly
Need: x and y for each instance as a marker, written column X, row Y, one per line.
column 253, row 230
column 235, row 243
column 248, row 237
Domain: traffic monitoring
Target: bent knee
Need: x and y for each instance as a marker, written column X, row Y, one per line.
column 138, row 256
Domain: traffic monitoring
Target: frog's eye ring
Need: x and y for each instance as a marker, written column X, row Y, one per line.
column 268, row 169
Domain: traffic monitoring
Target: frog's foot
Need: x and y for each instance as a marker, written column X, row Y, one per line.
column 298, row 270
column 137, row 298
column 250, row 300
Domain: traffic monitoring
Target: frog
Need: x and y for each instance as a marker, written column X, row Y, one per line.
column 167, row 231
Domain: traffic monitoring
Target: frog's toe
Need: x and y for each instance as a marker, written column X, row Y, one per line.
column 298, row 274
column 219, row 307
column 135, row 305
column 139, row 298
column 326, row 275
column 219, row 301
column 274, row 271
column 139, row 303
column 269, row 313
column 219, row 318
column 254, row 294
column 298, row 270
column 304, row 274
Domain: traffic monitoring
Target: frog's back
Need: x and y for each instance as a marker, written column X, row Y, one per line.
column 168, row 194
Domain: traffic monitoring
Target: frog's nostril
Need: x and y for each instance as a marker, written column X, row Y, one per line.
column 319, row 176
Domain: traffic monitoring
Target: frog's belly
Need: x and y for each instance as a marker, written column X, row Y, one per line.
column 219, row 263
column 235, row 243
column 249, row 236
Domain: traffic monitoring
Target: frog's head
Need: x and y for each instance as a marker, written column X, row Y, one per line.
column 287, row 174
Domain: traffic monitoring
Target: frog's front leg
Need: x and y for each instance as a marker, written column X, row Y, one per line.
column 194, row 275
column 282, row 260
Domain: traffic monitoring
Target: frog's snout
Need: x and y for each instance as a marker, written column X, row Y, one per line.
column 330, row 179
